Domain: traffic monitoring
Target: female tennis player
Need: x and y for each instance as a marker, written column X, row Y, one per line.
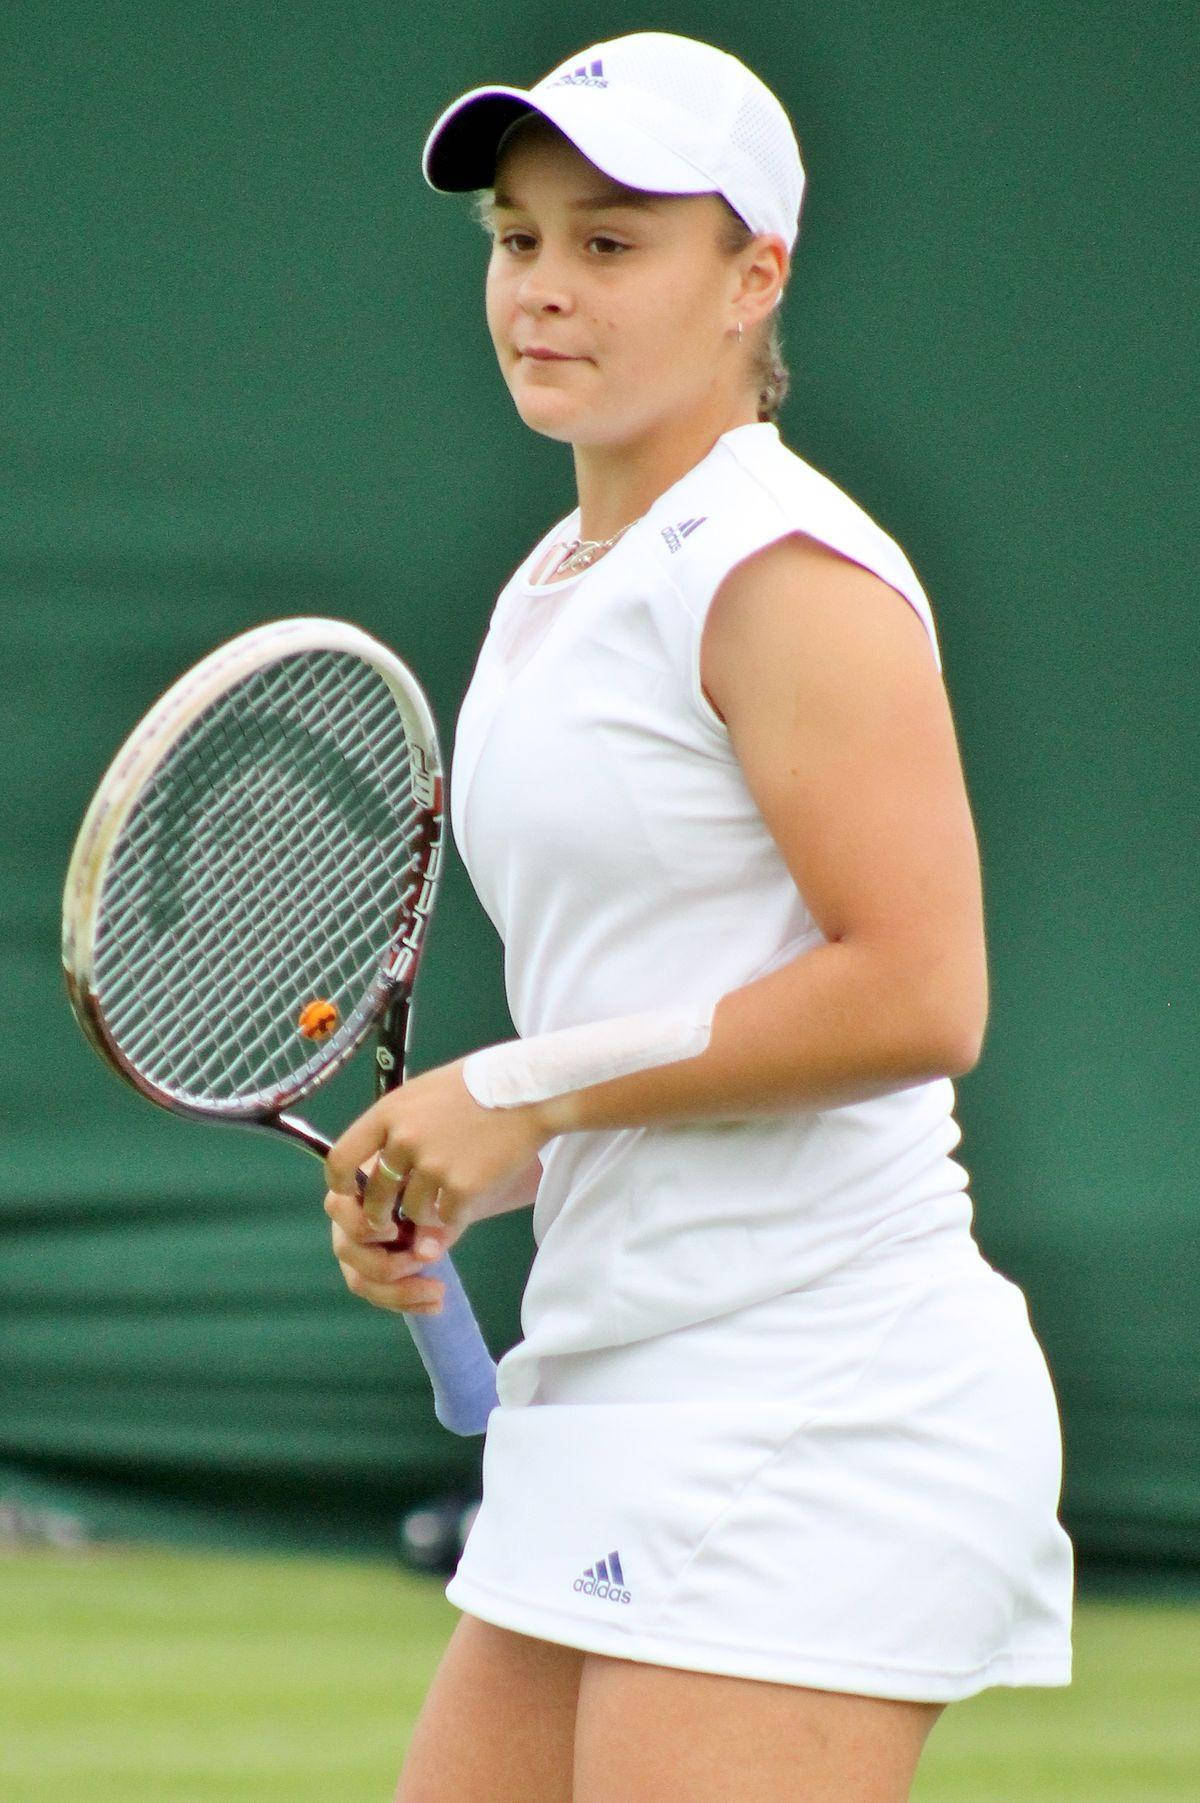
column 775, row 1470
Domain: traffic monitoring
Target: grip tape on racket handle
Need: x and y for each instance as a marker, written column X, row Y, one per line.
column 460, row 1368
column 453, row 1352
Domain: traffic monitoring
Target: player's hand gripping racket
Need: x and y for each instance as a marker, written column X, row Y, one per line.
column 248, row 896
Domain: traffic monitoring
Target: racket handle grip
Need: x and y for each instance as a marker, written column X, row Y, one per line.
column 452, row 1349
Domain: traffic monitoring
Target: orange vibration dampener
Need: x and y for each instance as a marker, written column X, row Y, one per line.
column 317, row 1020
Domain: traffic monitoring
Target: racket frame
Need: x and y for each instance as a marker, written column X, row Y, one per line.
column 451, row 1345
column 123, row 785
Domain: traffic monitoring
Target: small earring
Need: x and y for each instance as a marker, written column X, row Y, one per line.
column 739, row 331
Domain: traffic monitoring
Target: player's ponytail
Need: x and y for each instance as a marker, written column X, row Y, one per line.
column 766, row 344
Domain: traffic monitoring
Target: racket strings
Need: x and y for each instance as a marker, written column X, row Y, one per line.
column 185, row 944
column 268, row 864
column 272, row 821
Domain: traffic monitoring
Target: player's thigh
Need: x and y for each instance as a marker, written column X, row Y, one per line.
column 652, row 1734
column 498, row 1724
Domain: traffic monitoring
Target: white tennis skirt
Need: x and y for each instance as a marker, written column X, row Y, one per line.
column 854, row 1487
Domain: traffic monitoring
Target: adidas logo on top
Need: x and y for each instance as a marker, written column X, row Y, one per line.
column 588, row 75
column 604, row 1580
column 673, row 536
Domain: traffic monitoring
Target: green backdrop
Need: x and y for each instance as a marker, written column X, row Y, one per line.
column 245, row 375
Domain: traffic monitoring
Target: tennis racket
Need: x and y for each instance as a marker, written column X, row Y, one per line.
column 248, row 897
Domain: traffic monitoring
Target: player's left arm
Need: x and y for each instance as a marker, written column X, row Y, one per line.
column 826, row 680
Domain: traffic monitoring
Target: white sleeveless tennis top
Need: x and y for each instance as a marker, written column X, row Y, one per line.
column 610, row 836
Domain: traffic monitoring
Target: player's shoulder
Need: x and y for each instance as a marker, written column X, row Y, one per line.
column 724, row 500
column 751, row 490
column 755, row 504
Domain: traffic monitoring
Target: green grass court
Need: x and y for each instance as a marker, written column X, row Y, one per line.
column 164, row 1677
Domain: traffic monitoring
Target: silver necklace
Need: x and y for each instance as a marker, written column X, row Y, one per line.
column 582, row 552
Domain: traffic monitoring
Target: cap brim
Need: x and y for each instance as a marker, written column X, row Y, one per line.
column 460, row 151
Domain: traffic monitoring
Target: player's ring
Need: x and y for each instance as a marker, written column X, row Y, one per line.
column 393, row 1176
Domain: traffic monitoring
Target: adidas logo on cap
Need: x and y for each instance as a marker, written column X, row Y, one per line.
column 588, row 75
column 604, row 1580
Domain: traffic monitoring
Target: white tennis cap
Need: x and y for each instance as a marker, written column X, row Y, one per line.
column 654, row 111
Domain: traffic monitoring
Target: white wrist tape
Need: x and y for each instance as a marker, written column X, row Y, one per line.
column 553, row 1064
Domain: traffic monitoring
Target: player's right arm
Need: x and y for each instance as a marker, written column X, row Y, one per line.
column 393, row 1280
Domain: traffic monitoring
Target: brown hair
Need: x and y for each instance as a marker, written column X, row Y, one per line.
column 767, row 364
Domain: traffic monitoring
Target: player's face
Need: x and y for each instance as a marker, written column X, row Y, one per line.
column 626, row 296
